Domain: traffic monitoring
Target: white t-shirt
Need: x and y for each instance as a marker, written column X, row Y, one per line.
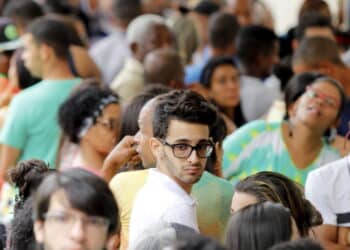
column 328, row 189
column 161, row 199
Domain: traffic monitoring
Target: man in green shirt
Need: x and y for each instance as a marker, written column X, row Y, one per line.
column 31, row 129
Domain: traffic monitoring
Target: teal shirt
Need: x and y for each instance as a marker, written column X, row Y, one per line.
column 213, row 195
column 259, row 146
column 32, row 125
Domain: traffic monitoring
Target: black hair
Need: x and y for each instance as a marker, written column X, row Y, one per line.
column 193, row 241
column 127, row 10
column 218, row 134
column 54, row 32
column 182, row 105
column 129, row 118
column 210, row 67
column 259, row 226
column 299, row 244
column 275, row 187
column 254, row 41
column 25, row 78
column 206, row 79
column 297, row 85
column 22, row 232
column 309, row 20
column 60, row 7
column 27, row 176
column 83, row 103
column 23, row 11
column 85, row 192
column 223, row 29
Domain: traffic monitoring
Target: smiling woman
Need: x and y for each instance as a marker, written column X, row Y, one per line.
column 295, row 146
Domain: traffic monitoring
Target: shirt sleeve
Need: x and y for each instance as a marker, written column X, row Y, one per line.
column 14, row 132
column 317, row 192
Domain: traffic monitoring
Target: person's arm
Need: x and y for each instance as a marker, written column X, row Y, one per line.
column 119, row 156
column 8, row 158
column 328, row 237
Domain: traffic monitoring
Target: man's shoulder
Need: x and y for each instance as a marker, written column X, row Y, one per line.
column 333, row 174
column 124, row 179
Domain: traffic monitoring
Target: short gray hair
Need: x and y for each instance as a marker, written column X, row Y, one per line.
column 141, row 25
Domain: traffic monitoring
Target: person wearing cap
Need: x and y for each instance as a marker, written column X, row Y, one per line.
column 9, row 42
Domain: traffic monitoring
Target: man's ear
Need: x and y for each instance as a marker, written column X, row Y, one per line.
column 39, row 231
column 134, row 47
column 46, row 51
column 155, row 146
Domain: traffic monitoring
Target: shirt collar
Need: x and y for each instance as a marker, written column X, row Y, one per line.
column 157, row 177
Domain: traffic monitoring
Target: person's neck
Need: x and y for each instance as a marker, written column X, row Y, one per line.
column 89, row 156
column 186, row 187
column 229, row 112
column 58, row 70
column 249, row 71
column 303, row 138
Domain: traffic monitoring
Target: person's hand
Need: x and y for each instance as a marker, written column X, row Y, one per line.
column 123, row 152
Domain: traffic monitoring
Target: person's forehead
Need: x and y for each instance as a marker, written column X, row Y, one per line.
column 182, row 130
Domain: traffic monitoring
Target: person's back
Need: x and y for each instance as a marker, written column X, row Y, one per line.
column 31, row 128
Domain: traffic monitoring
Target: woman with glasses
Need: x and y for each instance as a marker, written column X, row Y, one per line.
column 90, row 119
column 295, row 146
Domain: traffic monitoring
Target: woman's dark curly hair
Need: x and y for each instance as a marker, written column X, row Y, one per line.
column 27, row 176
column 83, row 103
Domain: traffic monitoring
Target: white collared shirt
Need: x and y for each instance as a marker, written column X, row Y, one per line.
column 161, row 199
column 328, row 190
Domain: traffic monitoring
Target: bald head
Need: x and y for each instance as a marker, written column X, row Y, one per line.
column 314, row 50
column 145, row 133
column 164, row 66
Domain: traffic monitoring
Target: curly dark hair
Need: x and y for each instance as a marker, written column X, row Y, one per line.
column 22, row 233
column 81, row 104
column 27, row 176
column 183, row 105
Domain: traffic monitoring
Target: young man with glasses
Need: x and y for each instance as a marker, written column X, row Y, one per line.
column 74, row 209
column 181, row 144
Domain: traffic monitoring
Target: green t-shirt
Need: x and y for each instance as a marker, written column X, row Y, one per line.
column 31, row 124
column 259, row 146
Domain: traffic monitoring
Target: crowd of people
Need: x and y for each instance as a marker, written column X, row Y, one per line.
column 169, row 124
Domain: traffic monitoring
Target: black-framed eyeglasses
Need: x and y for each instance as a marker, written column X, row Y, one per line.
column 184, row 150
